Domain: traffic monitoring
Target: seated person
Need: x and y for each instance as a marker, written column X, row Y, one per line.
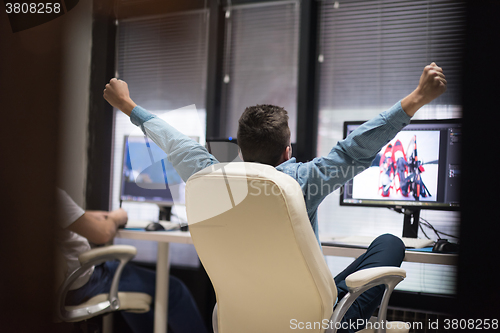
column 78, row 227
column 264, row 137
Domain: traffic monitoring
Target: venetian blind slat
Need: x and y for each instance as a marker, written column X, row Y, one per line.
column 260, row 60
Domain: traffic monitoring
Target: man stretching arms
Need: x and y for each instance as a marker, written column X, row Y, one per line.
column 264, row 137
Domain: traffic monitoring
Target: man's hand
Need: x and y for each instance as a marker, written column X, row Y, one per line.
column 117, row 94
column 99, row 227
column 119, row 216
column 432, row 84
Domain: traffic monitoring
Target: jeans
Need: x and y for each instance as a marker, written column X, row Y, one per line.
column 385, row 250
column 183, row 314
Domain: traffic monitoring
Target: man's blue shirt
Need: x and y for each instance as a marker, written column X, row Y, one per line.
column 317, row 178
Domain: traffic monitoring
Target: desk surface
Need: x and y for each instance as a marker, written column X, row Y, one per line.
column 184, row 237
column 410, row 255
column 177, row 236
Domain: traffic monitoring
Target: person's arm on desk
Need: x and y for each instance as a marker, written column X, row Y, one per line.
column 186, row 155
column 99, row 227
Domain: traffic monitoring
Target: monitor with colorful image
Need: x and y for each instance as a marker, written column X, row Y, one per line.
column 419, row 169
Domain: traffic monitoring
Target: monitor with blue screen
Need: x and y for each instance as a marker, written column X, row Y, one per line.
column 148, row 176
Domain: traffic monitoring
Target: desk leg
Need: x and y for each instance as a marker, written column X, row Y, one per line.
column 161, row 296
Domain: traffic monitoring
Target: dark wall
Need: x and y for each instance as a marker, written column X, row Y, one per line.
column 29, row 98
column 478, row 288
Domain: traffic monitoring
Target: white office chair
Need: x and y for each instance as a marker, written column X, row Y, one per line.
column 250, row 228
column 103, row 303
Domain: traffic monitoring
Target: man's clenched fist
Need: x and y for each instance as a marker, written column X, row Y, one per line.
column 432, row 84
column 117, row 94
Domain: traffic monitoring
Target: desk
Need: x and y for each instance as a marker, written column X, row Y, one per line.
column 410, row 255
column 164, row 238
column 162, row 269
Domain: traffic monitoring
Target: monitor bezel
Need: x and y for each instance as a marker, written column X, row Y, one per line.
column 401, row 204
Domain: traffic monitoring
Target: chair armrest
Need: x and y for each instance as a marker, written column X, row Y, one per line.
column 96, row 256
column 106, row 253
column 215, row 320
column 365, row 276
column 359, row 282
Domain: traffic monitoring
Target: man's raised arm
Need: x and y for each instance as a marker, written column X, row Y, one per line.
column 365, row 142
column 186, row 155
column 354, row 154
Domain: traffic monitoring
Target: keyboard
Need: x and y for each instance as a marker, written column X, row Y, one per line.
column 417, row 243
column 365, row 241
column 141, row 224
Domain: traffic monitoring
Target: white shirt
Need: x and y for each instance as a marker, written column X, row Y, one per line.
column 70, row 244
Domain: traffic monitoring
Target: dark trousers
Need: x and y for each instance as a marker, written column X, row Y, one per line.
column 385, row 250
column 183, row 315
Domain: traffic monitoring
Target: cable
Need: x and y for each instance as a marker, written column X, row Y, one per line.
column 422, row 229
column 424, row 222
column 427, row 224
column 180, row 218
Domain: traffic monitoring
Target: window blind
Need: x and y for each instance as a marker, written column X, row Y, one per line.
column 370, row 55
column 373, row 52
column 260, row 59
column 164, row 61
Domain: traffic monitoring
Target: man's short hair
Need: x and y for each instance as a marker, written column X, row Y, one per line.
column 263, row 134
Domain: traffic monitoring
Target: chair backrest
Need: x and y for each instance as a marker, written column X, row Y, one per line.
column 250, row 228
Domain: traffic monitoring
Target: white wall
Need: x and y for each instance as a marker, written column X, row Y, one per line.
column 75, row 100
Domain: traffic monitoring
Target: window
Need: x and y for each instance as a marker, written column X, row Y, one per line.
column 260, row 60
column 164, row 61
column 370, row 55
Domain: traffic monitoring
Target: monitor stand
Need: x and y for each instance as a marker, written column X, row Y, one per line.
column 410, row 223
column 165, row 213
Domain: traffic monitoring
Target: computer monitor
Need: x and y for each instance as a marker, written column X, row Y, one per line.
column 225, row 150
column 148, row 176
column 418, row 169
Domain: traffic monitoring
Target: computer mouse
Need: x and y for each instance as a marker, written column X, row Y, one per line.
column 155, row 226
column 443, row 246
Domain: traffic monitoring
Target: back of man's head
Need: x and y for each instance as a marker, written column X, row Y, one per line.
column 263, row 134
